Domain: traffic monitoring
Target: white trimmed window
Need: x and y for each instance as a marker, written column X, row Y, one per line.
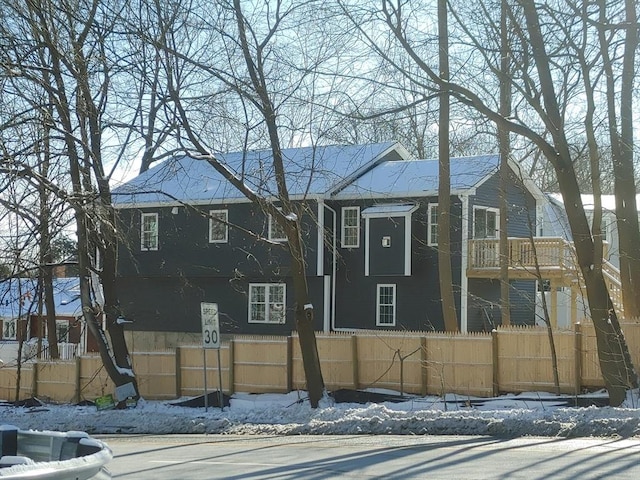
column 218, row 226
column 276, row 232
column 350, row 236
column 62, row 331
column 149, row 232
column 485, row 222
column 432, row 225
column 607, row 225
column 267, row 302
column 386, row 305
column 9, row 329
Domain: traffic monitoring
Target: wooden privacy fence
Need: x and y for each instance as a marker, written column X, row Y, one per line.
column 507, row 360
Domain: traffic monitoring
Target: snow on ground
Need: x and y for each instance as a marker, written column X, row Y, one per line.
column 535, row 414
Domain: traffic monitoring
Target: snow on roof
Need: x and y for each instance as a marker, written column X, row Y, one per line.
column 420, row 177
column 19, row 297
column 309, row 171
column 608, row 201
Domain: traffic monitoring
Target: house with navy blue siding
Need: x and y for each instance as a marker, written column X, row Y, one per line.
column 398, row 257
column 369, row 225
column 190, row 237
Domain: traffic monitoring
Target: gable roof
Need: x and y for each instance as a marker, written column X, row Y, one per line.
column 18, row 297
column 310, row 171
column 417, row 178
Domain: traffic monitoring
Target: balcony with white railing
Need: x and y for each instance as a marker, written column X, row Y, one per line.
column 552, row 255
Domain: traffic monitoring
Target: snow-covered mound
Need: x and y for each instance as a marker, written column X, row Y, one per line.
column 508, row 416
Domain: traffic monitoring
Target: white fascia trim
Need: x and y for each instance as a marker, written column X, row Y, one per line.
column 366, row 246
column 464, row 263
column 210, row 201
column 517, row 170
column 173, row 203
column 407, row 244
column 534, row 190
column 327, row 304
column 397, row 195
column 320, row 245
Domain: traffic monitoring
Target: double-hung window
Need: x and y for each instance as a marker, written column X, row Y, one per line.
column 276, row 232
column 149, row 232
column 350, row 236
column 432, row 225
column 485, row 222
column 9, row 329
column 267, row 302
column 62, row 331
column 218, row 226
column 386, row 305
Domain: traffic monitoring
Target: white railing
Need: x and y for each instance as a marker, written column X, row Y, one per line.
column 549, row 252
column 66, row 351
column 614, row 285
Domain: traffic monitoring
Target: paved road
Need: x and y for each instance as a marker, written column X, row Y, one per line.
column 367, row 457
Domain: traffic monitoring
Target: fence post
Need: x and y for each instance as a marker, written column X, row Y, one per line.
column 178, row 360
column 232, row 363
column 34, row 379
column 424, row 379
column 577, row 330
column 289, row 363
column 354, row 361
column 77, row 379
column 494, row 351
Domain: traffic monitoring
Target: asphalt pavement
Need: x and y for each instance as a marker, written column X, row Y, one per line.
column 386, row 457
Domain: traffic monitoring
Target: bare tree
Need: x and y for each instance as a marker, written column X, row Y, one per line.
column 539, row 116
column 504, row 145
column 444, row 174
column 252, row 67
column 61, row 52
column 613, row 18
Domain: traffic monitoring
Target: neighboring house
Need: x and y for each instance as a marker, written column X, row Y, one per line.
column 554, row 222
column 20, row 318
column 609, row 225
column 370, row 232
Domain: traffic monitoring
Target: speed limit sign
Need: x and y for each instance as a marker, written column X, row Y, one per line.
column 210, row 325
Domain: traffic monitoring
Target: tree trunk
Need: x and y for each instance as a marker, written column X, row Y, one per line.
column 594, row 159
column 107, row 276
column 505, row 152
column 92, row 312
column 304, row 316
column 46, row 257
column 444, row 187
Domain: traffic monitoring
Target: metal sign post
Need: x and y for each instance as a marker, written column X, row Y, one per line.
column 210, row 339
